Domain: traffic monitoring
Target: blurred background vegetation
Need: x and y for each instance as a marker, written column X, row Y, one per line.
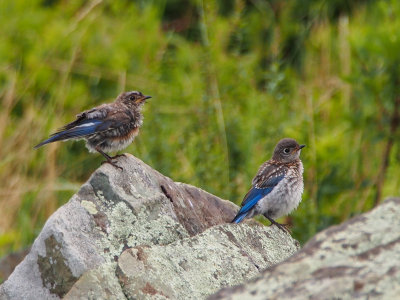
column 228, row 80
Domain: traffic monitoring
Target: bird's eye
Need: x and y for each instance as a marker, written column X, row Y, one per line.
column 132, row 98
column 286, row 150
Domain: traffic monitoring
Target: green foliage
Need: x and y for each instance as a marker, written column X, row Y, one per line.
column 228, row 80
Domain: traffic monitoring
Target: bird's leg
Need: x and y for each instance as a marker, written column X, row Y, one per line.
column 118, row 155
column 283, row 227
column 108, row 159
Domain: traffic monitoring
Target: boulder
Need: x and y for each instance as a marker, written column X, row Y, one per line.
column 359, row 259
column 195, row 267
column 136, row 233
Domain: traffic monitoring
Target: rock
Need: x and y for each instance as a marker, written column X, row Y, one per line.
column 359, row 259
column 195, row 267
column 79, row 248
column 99, row 283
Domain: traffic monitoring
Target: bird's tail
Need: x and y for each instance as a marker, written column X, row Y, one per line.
column 54, row 138
column 85, row 128
column 239, row 218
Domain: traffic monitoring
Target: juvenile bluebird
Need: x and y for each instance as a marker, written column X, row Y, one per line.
column 106, row 128
column 276, row 189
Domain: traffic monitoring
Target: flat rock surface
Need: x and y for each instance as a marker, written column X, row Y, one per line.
column 359, row 259
column 86, row 248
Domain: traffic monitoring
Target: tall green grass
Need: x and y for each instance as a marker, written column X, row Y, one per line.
column 228, row 81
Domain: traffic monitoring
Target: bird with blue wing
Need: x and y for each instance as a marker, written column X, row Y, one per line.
column 277, row 188
column 106, row 128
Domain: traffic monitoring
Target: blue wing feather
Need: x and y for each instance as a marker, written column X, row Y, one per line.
column 254, row 195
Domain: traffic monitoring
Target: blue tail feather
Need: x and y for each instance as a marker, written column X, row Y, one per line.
column 239, row 218
column 85, row 128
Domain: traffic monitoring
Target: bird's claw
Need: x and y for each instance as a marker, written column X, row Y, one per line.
column 119, row 155
column 112, row 163
column 283, row 227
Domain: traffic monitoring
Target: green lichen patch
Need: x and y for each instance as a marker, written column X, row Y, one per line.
column 195, row 267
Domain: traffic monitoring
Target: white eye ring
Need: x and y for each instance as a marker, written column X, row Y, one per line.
column 286, row 150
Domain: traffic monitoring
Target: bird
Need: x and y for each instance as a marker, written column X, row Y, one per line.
column 277, row 187
column 106, row 128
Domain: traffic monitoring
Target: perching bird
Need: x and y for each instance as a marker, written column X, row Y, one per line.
column 276, row 189
column 106, row 128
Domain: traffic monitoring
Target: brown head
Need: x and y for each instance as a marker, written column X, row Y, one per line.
column 287, row 151
column 134, row 98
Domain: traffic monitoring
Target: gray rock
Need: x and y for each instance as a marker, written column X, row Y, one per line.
column 359, row 259
column 195, row 267
column 75, row 256
column 99, row 283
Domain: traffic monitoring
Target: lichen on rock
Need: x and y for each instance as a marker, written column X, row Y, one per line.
column 77, row 253
column 194, row 267
column 359, row 259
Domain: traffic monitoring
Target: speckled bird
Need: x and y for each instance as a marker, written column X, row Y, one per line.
column 106, row 128
column 277, row 188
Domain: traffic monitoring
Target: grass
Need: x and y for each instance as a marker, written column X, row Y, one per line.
column 226, row 86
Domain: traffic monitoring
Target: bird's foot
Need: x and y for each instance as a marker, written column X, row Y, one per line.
column 118, row 155
column 109, row 161
column 283, row 227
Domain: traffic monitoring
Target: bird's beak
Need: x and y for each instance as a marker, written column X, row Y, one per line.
column 144, row 98
column 298, row 148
